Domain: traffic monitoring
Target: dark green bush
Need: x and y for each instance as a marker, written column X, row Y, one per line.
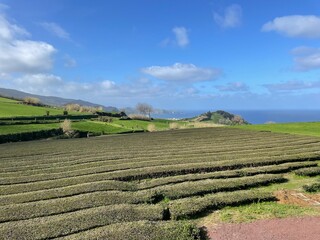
column 315, row 187
column 28, row 136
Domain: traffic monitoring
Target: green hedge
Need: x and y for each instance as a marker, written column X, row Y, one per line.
column 28, row 136
column 191, row 207
column 141, row 230
column 312, row 171
column 315, row 187
column 51, row 117
column 74, row 222
column 100, row 198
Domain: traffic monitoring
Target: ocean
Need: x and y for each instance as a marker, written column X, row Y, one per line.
column 255, row 116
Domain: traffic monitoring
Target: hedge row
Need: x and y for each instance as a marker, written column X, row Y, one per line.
column 51, row 117
column 187, row 189
column 141, row 230
column 155, row 171
column 83, row 163
column 2, row 123
column 115, row 148
column 63, row 186
column 28, row 136
column 89, row 200
column 281, row 168
column 74, row 222
column 33, row 192
column 315, row 187
column 312, row 171
column 191, row 207
column 55, row 206
column 164, row 171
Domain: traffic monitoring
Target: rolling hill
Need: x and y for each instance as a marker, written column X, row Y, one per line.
column 51, row 100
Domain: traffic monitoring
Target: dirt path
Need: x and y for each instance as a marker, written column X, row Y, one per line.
column 306, row 228
column 295, row 228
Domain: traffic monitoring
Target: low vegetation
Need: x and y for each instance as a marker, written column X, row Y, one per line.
column 304, row 128
column 145, row 186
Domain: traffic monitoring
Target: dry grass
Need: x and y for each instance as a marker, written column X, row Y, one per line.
column 203, row 125
column 174, row 125
column 66, row 126
column 151, row 127
column 139, row 117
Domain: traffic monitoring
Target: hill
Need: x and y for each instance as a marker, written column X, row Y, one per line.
column 220, row 117
column 51, row 100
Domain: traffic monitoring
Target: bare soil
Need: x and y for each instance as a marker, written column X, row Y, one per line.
column 298, row 198
column 305, row 228
column 294, row 228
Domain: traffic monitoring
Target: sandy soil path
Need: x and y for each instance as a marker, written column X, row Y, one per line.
column 306, row 228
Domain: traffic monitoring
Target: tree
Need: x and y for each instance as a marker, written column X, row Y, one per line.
column 31, row 100
column 145, row 109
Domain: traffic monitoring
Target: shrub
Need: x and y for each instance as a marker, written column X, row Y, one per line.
column 142, row 230
column 31, row 100
column 28, row 136
column 105, row 119
column 139, row 117
column 190, row 207
column 66, row 126
column 73, row 222
column 311, row 171
column 151, row 127
column 315, row 187
column 174, row 125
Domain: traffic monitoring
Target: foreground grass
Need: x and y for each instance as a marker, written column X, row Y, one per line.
column 13, row 109
column 97, row 127
column 258, row 211
column 304, row 128
column 265, row 210
column 8, row 129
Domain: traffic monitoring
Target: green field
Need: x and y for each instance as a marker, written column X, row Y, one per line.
column 304, row 128
column 13, row 108
column 8, row 129
column 144, row 186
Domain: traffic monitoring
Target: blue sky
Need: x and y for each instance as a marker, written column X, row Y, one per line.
column 182, row 54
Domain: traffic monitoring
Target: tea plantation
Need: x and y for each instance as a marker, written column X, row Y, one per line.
column 143, row 185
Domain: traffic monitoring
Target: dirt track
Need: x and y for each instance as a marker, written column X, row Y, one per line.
column 306, row 228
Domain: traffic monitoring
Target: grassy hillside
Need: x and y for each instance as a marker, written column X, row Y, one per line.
column 11, row 108
column 128, row 186
column 306, row 128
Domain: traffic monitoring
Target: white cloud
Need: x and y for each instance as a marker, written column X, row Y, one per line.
column 20, row 55
column 306, row 58
column 56, row 30
column 295, row 26
column 231, row 18
column 107, row 84
column 10, row 31
column 180, row 72
column 234, row 87
column 180, row 39
column 292, row 85
column 181, row 34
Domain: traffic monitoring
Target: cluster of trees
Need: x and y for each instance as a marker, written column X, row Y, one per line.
column 78, row 108
column 31, row 100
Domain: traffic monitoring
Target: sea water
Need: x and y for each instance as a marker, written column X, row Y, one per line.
column 255, row 116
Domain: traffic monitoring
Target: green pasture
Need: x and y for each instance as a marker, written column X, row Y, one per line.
column 8, row 129
column 303, row 128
